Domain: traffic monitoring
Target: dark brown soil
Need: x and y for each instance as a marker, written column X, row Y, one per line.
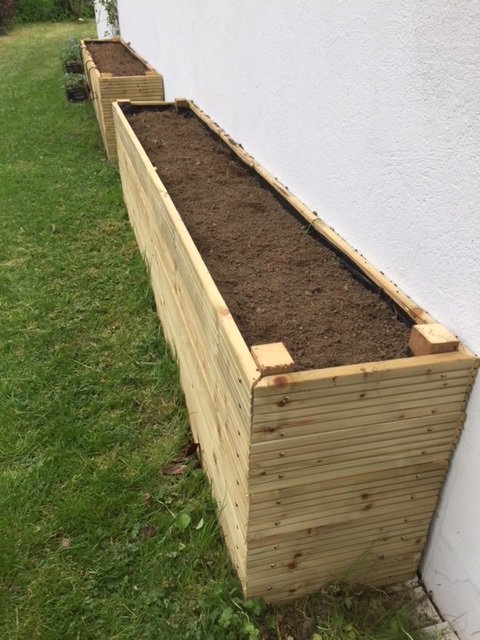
column 113, row 57
column 280, row 283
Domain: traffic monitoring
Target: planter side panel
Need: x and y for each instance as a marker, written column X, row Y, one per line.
column 215, row 376
column 148, row 87
column 346, row 467
column 106, row 89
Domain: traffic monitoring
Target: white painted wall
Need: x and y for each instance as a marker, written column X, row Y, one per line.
column 370, row 112
column 104, row 28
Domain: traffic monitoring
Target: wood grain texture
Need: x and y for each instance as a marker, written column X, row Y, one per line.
column 319, row 475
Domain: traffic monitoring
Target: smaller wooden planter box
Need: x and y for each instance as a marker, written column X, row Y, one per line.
column 105, row 88
column 320, row 475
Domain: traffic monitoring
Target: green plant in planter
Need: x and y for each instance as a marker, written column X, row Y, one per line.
column 71, row 57
column 75, row 87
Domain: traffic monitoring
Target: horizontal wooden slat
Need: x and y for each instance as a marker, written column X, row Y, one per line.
column 382, row 431
column 360, row 532
column 382, row 508
column 365, row 372
column 298, row 457
column 352, row 498
column 364, row 481
column 284, row 403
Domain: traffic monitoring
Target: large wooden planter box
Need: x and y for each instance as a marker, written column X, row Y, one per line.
column 319, row 475
column 105, row 88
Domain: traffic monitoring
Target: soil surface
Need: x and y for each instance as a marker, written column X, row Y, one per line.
column 280, row 283
column 113, row 57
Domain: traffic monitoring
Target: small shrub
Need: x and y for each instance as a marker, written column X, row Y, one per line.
column 75, row 87
column 71, row 52
column 74, row 81
column 40, row 11
column 52, row 10
column 7, row 11
column 71, row 57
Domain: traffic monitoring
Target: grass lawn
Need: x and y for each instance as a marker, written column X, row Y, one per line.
column 95, row 540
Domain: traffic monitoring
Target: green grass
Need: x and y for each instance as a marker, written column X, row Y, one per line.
column 95, row 541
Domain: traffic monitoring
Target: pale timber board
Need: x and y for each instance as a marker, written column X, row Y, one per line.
column 364, row 485
column 364, row 554
column 338, row 377
column 366, row 537
column 328, row 435
column 305, row 502
column 310, row 425
column 363, row 406
column 329, row 514
column 354, row 568
column 382, row 509
column 364, row 482
column 287, row 544
column 353, row 449
column 376, row 390
column 281, row 593
column 260, row 481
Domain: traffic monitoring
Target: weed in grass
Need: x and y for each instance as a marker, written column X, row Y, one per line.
column 96, row 540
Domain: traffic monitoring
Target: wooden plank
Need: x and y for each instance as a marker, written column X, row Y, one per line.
column 348, row 466
column 285, row 429
column 364, row 485
column 289, row 542
column 382, row 431
column 379, row 389
column 320, row 456
column 364, row 552
column 427, row 339
column 370, row 371
column 360, row 533
column 344, row 514
column 272, row 359
column 307, row 503
column 355, row 567
column 382, row 412
column 384, row 509
column 360, row 404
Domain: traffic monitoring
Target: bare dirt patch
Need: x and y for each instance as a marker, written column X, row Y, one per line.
column 114, row 58
column 279, row 281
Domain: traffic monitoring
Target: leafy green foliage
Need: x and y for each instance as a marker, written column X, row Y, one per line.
column 74, row 81
column 52, row 10
column 7, row 11
column 71, row 51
